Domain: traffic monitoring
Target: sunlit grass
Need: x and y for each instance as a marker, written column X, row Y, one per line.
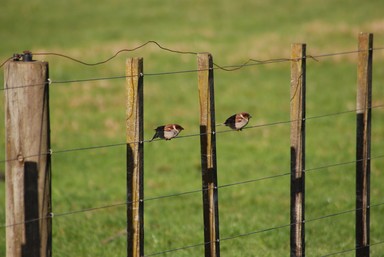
column 93, row 114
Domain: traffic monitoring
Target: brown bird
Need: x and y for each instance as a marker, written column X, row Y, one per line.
column 238, row 121
column 167, row 132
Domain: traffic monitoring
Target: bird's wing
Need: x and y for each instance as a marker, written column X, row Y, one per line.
column 230, row 120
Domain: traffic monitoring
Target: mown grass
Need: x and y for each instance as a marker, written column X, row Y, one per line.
column 93, row 113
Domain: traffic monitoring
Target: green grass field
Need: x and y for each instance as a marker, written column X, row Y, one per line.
column 93, row 114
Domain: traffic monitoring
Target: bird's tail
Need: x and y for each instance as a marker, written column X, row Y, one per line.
column 155, row 136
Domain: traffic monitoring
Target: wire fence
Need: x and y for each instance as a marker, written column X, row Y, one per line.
column 59, row 151
column 248, row 63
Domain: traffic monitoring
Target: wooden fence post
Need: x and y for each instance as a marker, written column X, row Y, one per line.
column 208, row 155
column 298, row 78
column 28, row 173
column 363, row 142
column 135, row 158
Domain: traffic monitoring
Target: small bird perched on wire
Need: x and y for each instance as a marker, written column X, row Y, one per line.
column 237, row 121
column 167, row 132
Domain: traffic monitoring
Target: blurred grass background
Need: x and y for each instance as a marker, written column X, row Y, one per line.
column 93, row 113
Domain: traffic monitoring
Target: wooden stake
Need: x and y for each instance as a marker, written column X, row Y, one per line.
column 363, row 143
column 135, row 158
column 298, row 76
column 208, row 155
column 28, row 174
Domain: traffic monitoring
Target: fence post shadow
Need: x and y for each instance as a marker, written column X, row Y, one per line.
column 31, row 210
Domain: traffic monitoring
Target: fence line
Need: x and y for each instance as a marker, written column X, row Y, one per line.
column 234, row 236
column 53, row 152
column 20, row 56
column 282, row 174
column 368, row 158
column 351, row 250
column 249, row 62
column 194, row 191
column 262, row 231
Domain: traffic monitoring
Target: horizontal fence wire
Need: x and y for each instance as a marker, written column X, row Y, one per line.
column 52, row 215
column 228, row 237
column 352, row 249
column 247, row 233
column 20, row 56
column 249, row 62
column 52, row 152
column 281, row 174
column 265, row 230
column 199, row 190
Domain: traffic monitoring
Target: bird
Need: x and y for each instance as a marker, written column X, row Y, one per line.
column 167, row 132
column 238, row 121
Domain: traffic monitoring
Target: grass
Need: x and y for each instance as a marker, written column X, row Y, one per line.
column 93, row 113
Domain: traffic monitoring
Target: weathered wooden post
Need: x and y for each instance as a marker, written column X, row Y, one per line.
column 28, row 173
column 298, row 77
column 208, row 155
column 135, row 158
column 363, row 142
